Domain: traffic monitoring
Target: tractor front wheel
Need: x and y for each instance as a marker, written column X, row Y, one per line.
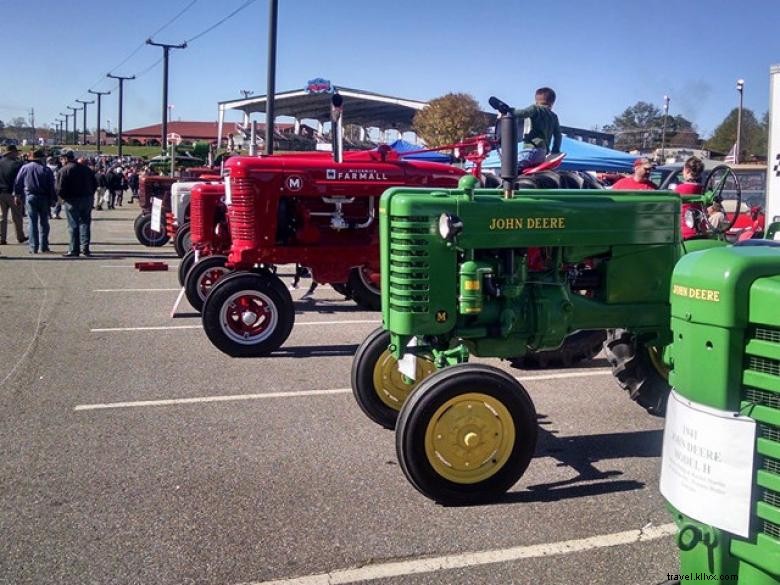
column 364, row 288
column 182, row 242
column 577, row 347
column 466, row 434
column 248, row 314
column 639, row 370
column 202, row 277
column 378, row 386
column 146, row 235
column 184, row 266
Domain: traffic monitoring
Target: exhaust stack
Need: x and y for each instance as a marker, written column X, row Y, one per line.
column 507, row 131
column 336, row 129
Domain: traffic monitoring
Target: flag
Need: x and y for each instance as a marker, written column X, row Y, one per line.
column 731, row 157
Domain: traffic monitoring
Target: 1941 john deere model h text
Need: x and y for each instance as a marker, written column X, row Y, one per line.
column 498, row 273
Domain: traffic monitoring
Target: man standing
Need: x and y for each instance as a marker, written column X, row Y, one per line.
column 640, row 180
column 35, row 182
column 9, row 168
column 76, row 185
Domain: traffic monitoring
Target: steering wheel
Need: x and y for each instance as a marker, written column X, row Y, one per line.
column 718, row 189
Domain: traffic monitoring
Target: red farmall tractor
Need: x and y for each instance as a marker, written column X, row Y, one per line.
column 309, row 209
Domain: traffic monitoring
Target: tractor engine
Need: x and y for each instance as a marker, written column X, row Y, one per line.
column 507, row 276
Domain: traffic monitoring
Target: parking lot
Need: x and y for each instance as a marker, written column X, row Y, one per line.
column 135, row 452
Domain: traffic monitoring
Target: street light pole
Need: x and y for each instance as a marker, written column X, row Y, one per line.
column 166, row 50
column 85, row 117
column 99, row 95
column 75, row 125
column 738, row 147
column 273, row 11
column 119, row 128
column 663, row 130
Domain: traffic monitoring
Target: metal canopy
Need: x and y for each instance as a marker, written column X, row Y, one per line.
column 360, row 107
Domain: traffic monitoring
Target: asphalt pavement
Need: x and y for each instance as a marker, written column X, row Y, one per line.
column 134, row 452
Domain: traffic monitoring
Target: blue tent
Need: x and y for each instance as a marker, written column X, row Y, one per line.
column 402, row 146
column 581, row 156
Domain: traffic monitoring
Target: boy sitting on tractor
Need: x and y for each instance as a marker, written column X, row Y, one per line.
column 545, row 134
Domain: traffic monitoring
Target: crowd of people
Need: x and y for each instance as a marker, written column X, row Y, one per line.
column 42, row 186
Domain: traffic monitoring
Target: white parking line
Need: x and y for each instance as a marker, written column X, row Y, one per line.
column 476, row 559
column 172, row 327
column 121, row 290
column 298, row 394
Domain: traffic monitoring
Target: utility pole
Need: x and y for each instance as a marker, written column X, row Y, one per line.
column 99, row 95
column 65, row 136
column 119, row 128
column 85, row 117
column 273, row 11
column 166, row 50
column 246, row 93
column 32, row 125
column 75, row 125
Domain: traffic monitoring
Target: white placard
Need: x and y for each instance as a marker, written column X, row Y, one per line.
column 407, row 365
column 156, row 214
column 707, row 464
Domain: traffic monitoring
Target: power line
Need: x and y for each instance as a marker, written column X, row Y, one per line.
column 219, row 22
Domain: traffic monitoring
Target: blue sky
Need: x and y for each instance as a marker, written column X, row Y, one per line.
column 600, row 57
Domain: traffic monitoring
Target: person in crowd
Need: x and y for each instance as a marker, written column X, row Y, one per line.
column 133, row 182
column 692, row 177
column 9, row 168
column 544, row 135
column 116, row 187
column 640, row 180
column 100, row 192
column 54, row 165
column 35, row 182
column 76, row 186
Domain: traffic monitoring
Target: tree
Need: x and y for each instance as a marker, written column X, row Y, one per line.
column 753, row 141
column 18, row 122
column 640, row 127
column 448, row 119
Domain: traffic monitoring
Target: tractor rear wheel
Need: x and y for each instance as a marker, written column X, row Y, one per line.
column 146, row 235
column 202, row 277
column 466, row 434
column 378, row 386
column 182, row 242
column 248, row 314
column 577, row 347
column 184, row 266
column 639, row 370
column 364, row 290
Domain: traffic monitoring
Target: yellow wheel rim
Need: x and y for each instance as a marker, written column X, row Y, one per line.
column 470, row 438
column 389, row 383
column 656, row 358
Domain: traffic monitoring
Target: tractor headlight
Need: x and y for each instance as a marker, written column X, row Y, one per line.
column 449, row 226
column 689, row 219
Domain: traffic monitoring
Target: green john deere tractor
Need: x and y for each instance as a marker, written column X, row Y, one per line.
column 498, row 273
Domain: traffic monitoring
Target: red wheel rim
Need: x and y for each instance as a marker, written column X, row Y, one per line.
column 248, row 317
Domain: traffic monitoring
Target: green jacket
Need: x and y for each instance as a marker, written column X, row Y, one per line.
column 545, row 130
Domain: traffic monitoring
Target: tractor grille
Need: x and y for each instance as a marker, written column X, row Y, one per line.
column 758, row 399
column 242, row 210
column 197, row 229
column 409, row 264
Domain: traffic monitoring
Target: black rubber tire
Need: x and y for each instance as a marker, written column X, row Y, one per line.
column 184, row 266
column 635, row 372
column 577, row 347
column 192, row 281
column 342, row 289
column 143, row 231
column 265, row 284
column 362, row 379
column 423, row 403
column 182, row 242
column 364, row 296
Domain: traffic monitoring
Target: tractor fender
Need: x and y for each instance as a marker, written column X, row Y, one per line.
column 689, row 246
